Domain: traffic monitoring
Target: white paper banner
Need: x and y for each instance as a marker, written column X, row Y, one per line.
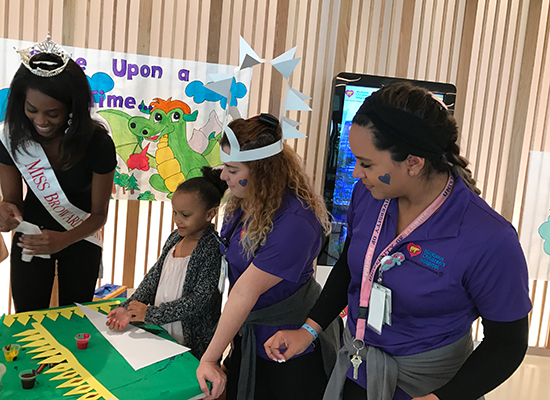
column 164, row 122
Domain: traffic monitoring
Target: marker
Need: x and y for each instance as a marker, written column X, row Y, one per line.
column 40, row 369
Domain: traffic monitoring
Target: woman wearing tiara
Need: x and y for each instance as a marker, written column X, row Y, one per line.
column 271, row 236
column 67, row 161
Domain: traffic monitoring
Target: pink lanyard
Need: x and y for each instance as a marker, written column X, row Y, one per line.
column 368, row 272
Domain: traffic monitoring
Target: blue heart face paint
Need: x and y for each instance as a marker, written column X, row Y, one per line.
column 384, row 179
column 236, row 175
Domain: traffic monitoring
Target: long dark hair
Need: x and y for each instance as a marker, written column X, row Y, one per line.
column 421, row 103
column 71, row 88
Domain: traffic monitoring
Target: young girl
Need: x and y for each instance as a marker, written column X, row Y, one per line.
column 180, row 292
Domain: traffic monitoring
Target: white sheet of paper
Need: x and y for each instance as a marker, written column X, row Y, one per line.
column 234, row 112
column 244, row 50
column 249, row 62
column 286, row 67
column 222, row 87
column 287, row 55
column 291, row 122
column 27, row 228
column 140, row 348
column 291, row 132
column 295, row 101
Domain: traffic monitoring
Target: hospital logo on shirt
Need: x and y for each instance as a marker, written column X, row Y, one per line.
column 426, row 259
column 432, row 259
column 414, row 249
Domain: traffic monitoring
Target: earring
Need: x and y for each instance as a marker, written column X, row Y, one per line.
column 69, row 122
column 411, row 173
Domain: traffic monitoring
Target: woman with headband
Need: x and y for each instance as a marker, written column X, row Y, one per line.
column 67, row 161
column 425, row 256
column 271, row 237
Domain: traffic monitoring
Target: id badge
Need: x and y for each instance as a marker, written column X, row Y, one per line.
column 388, row 306
column 223, row 275
column 377, row 308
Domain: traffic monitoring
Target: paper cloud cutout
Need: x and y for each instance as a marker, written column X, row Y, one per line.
column 3, row 103
column 100, row 83
column 199, row 93
column 544, row 232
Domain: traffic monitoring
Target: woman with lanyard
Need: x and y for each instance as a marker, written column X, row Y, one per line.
column 425, row 256
column 67, row 161
column 271, row 236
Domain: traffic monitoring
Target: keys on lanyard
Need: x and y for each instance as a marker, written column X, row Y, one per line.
column 356, row 359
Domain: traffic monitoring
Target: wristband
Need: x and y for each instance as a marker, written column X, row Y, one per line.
column 310, row 330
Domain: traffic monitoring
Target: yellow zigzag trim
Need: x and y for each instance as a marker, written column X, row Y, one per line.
column 68, row 367
column 66, row 312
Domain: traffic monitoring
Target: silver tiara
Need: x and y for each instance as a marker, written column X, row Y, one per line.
column 47, row 46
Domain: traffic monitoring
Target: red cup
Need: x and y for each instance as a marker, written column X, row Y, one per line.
column 82, row 340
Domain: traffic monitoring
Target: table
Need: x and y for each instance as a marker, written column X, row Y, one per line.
column 96, row 373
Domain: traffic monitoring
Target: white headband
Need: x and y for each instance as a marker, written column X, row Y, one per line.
column 238, row 155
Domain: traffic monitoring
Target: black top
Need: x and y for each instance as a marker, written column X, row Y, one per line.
column 76, row 182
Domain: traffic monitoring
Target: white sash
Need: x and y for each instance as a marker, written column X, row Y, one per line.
column 40, row 178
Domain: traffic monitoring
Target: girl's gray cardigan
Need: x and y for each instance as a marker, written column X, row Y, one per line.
column 199, row 307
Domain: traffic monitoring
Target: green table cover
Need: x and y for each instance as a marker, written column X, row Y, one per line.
column 173, row 378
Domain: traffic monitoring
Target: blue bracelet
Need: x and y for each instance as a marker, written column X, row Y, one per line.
column 310, row 330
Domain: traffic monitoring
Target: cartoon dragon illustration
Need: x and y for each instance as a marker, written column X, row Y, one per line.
column 165, row 128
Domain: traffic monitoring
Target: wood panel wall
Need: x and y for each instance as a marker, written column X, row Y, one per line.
column 495, row 52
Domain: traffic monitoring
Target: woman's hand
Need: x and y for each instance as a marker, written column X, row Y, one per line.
column 295, row 342
column 211, row 372
column 48, row 242
column 10, row 216
column 431, row 396
column 118, row 319
column 137, row 310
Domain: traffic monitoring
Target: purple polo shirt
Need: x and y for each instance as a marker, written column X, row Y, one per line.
column 288, row 253
column 465, row 261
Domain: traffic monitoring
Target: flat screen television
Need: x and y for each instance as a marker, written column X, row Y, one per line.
column 349, row 91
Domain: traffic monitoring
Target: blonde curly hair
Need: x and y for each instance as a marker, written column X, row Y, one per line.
column 268, row 180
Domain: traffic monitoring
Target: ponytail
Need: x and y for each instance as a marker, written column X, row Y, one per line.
column 459, row 166
column 210, row 187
